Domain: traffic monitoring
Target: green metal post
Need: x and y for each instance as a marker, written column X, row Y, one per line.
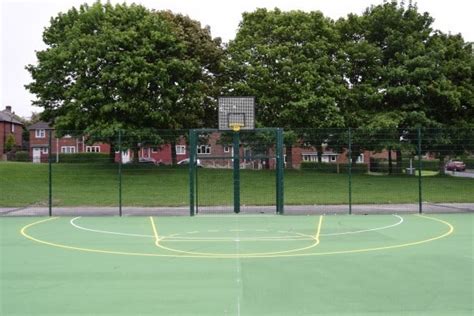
column 236, row 171
column 350, row 170
column 50, row 174
column 192, row 167
column 280, row 160
column 120, row 170
column 420, row 205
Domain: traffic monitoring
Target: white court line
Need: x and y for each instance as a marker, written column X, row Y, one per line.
column 367, row 230
column 72, row 221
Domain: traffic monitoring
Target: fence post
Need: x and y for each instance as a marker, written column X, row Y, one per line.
column 50, row 173
column 120, row 170
column 192, row 167
column 420, row 204
column 280, row 160
column 350, row 170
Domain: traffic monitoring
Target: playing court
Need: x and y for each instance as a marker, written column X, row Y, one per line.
column 238, row 265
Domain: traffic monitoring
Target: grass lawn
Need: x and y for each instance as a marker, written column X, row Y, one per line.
column 25, row 184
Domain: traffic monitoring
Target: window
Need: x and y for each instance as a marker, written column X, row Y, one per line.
column 93, row 149
column 13, row 127
column 154, row 149
column 227, row 149
column 204, row 149
column 310, row 157
column 180, row 150
column 40, row 133
column 44, row 150
column 68, row 149
column 333, row 158
column 360, row 159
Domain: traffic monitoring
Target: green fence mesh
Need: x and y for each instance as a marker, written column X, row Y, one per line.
column 326, row 171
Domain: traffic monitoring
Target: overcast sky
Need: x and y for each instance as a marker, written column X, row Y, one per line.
column 23, row 21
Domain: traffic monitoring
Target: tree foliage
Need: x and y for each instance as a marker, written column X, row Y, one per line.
column 110, row 68
column 287, row 60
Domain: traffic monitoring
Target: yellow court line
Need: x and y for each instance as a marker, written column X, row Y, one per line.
column 28, row 226
column 251, row 254
column 318, row 230
column 155, row 231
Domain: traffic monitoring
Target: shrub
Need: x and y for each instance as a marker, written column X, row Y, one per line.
column 469, row 163
column 83, row 158
column 22, row 156
column 320, row 167
column 10, row 143
column 334, row 168
column 356, row 168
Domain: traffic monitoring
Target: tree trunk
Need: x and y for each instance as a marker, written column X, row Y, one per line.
column 441, row 164
column 289, row 156
column 112, row 153
column 399, row 161
column 390, row 161
column 136, row 151
column 320, row 154
column 174, row 158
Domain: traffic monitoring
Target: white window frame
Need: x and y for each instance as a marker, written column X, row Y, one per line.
column 40, row 133
column 44, row 150
column 333, row 158
column 180, row 150
column 92, row 149
column 154, row 149
column 360, row 158
column 227, row 149
column 13, row 128
column 204, row 150
column 68, row 149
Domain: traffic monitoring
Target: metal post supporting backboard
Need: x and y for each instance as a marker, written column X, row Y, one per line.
column 236, row 171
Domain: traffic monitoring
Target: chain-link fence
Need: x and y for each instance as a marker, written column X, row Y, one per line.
column 326, row 171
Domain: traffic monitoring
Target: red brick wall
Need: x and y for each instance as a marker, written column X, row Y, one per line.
column 5, row 130
column 79, row 144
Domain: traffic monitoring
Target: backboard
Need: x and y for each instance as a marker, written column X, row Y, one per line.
column 236, row 113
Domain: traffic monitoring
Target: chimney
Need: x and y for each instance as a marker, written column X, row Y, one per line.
column 8, row 108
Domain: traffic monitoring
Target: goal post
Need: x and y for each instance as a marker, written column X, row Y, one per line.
column 224, row 155
column 252, row 148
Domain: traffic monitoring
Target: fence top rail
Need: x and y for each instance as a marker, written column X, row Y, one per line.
column 261, row 129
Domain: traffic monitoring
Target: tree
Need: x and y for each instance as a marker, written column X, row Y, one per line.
column 110, row 68
column 401, row 74
column 10, row 143
column 288, row 61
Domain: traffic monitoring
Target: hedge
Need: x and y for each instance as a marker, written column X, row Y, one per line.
column 381, row 165
column 83, row 158
column 469, row 163
column 333, row 167
column 22, row 156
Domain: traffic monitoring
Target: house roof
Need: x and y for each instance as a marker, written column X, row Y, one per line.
column 6, row 116
column 40, row 125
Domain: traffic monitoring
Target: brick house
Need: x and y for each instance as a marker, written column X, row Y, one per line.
column 213, row 147
column 39, row 143
column 10, row 125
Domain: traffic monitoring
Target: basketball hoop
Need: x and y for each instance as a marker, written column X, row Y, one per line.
column 236, row 126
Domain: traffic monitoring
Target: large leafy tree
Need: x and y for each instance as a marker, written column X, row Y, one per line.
column 288, row 61
column 401, row 74
column 110, row 68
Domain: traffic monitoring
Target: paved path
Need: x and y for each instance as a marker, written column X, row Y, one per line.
column 289, row 210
